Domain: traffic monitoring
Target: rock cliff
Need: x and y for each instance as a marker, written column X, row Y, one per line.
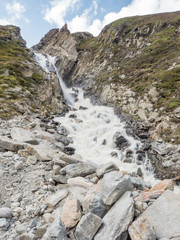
column 24, row 86
column 133, row 65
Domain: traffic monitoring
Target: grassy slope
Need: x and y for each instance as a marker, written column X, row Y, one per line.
column 150, row 63
column 14, row 60
column 150, row 67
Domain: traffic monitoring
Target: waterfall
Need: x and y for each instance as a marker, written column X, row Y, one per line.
column 94, row 130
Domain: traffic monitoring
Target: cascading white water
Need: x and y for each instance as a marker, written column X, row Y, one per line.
column 92, row 129
column 47, row 62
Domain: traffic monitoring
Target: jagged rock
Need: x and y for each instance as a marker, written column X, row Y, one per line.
column 164, row 216
column 87, row 227
column 117, row 219
column 71, row 213
column 5, row 212
column 22, row 135
column 56, row 230
column 9, row 144
column 78, row 169
column 141, row 229
column 52, row 200
column 108, row 167
column 113, row 185
column 4, row 224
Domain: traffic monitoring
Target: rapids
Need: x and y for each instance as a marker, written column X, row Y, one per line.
column 93, row 129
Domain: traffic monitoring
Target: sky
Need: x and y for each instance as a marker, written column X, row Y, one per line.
column 37, row 17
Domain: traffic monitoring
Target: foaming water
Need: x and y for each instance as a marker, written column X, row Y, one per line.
column 93, row 129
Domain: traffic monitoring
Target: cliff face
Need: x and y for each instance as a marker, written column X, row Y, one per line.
column 133, row 65
column 23, row 84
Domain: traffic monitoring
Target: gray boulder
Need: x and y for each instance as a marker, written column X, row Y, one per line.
column 87, row 227
column 56, row 231
column 108, row 167
column 164, row 216
column 113, row 185
column 117, row 220
column 78, row 169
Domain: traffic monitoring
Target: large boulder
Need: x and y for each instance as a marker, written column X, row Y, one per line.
column 56, row 231
column 11, row 145
column 163, row 215
column 117, row 220
column 87, row 227
column 113, row 185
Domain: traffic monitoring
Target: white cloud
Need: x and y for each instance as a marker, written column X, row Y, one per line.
column 15, row 12
column 58, row 11
column 87, row 22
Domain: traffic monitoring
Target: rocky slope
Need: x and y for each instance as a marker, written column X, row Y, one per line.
column 24, row 86
column 133, row 65
column 47, row 194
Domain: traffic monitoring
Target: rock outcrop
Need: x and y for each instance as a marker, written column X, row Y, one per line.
column 24, row 86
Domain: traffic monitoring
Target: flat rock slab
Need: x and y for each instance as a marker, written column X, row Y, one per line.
column 71, row 213
column 113, row 185
column 66, row 158
column 78, row 169
column 87, row 227
column 11, row 145
column 117, row 219
column 141, row 229
column 22, row 135
column 164, row 216
column 52, row 200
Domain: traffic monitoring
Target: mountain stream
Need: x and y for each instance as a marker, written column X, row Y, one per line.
column 96, row 131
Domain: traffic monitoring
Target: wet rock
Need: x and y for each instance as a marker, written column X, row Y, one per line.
column 79, row 169
column 5, row 212
column 164, row 216
column 52, row 200
column 71, row 213
column 141, row 230
column 109, row 167
column 80, row 182
column 113, row 185
column 138, row 183
column 87, row 227
column 69, row 150
column 56, row 230
column 120, row 141
column 117, row 219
